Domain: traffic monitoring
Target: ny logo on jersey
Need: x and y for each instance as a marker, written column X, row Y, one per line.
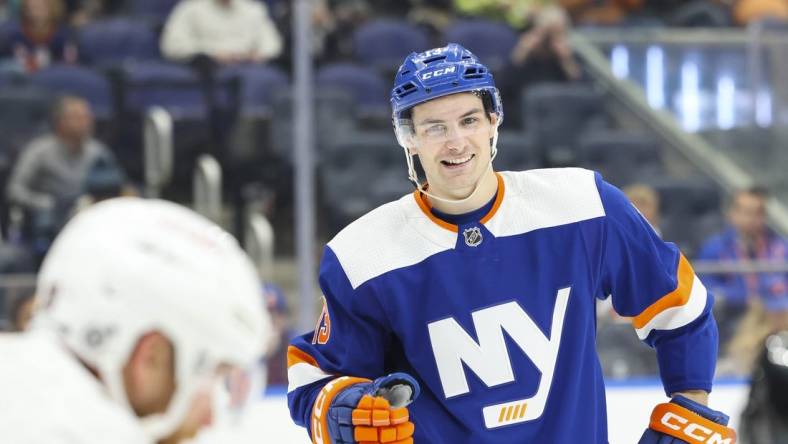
column 489, row 358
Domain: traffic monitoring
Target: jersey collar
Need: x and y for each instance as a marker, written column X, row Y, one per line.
column 425, row 207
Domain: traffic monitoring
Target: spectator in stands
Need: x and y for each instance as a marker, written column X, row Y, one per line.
column 51, row 172
column 227, row 31
column 82, row 12
column 601, row 12
column 214, row 36
column 748, row 11
column 516, row 14
column 333, row 23
column 646, row 200
column 748, row 238
column 40, row 38
column 541, row 55
column 739, row 355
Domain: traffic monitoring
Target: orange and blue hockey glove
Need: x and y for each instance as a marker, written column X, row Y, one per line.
column 684, row 421
column 359, row 411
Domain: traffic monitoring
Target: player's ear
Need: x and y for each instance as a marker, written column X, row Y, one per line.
column 150, row 357
column 154, row 350
column 148, row 375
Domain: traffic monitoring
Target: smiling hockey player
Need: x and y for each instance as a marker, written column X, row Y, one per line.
column 465, row 312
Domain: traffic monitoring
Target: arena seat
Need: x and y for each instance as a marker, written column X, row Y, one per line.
column 489, row 40
column 78, row 80
column 622, row 157
column 111, row 41
column 381, row 43
column 368, row 90
column 558, row 114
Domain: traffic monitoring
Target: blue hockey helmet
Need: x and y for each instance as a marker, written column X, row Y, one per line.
column 441, row 72
column 436, row 73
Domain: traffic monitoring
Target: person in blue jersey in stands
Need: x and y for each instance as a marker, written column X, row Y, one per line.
column 465, row 311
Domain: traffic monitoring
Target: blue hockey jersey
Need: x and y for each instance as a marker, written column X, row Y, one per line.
column 496, row 318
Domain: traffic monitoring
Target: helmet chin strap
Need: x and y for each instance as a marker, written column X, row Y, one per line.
column 414, row 178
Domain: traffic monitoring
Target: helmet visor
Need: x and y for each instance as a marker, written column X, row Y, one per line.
column 438, row 129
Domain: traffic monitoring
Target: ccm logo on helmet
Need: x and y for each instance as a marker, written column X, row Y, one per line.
column 696, row 432
column 439, row 72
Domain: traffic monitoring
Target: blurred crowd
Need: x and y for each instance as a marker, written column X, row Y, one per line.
column 68, row 164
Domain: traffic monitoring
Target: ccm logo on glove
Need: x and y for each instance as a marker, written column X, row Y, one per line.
column 684, row 424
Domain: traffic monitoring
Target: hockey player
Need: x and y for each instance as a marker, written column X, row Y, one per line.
column 472, row 300
column 145, row 307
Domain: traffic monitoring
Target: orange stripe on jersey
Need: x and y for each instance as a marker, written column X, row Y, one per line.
column 296, row 356
column 675, row 298
column 497, row 203
column 425, row 208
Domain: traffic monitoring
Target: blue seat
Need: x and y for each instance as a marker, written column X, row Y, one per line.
column 690, row 211
column 557, row 114
column 258, row 86
column 373, row 158
column 155, row 10
column 176, row 88
column 11, row 78
column 80, row 81
column 116, row 40
column 6, row 27
column 169, row 85
column 364, row 85
column 491, row 41
column 515, row 151
column 382, row 43
column 621, row 157
column 333, row 112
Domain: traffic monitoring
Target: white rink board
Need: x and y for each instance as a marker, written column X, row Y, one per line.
column 629, row 408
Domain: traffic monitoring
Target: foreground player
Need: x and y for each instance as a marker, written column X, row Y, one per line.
column 145, row 305
column 479, row 291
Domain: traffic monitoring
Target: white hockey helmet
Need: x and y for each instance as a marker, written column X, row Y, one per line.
column 128, row 266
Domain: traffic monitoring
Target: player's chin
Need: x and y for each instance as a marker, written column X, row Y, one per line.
column 461, row 186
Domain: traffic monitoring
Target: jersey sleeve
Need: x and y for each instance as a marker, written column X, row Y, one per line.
column 650, row 281
column 350, row 340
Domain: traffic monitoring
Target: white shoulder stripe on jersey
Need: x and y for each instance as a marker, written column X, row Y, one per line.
column 301, row 374
column 392, row 236
column 678, row 316
column 399, row 234
column 544, row 198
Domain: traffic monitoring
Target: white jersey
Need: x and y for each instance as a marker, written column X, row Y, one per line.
column 49, row 397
